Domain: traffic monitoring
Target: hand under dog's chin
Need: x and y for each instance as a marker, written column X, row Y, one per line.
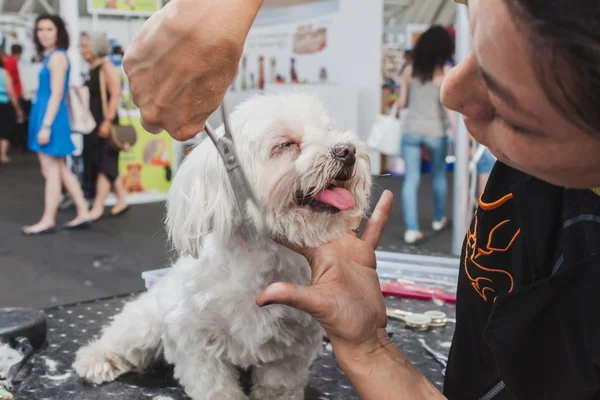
column 306, row 227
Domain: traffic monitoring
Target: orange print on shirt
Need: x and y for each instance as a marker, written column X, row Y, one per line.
column 490, row 282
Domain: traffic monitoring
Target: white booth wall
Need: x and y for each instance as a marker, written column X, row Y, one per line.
column 352, row 93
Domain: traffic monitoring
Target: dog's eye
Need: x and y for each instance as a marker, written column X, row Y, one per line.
column 282, row 148
column 286, row 145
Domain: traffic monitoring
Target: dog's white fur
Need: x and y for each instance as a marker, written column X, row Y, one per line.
column 202, row 317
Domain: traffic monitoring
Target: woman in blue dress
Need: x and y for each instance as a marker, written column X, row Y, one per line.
column 49, row 127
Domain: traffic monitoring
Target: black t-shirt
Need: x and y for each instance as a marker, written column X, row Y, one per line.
column 528, row 309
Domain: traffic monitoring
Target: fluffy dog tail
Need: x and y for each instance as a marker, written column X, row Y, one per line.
column 132, row 342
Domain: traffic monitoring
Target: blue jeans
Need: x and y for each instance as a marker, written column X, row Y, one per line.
column 437, row 148
column 486, row 163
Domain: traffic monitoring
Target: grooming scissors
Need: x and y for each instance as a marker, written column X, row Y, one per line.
column 244, row 196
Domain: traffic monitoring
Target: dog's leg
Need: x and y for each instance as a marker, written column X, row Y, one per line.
column 131, row 342
column 281, row 380
column 206, row 378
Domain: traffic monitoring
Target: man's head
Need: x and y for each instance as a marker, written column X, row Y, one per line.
column 530, row 88
column 17, row 51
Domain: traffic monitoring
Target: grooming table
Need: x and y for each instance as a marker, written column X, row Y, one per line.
column 71, row 326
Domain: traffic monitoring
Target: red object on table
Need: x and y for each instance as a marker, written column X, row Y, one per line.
column 416, row 291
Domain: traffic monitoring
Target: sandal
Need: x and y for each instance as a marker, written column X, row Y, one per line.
column 120, row 212
column 47, row 231
column 79, row 226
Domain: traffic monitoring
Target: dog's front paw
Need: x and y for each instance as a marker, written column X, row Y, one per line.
column 97, row 363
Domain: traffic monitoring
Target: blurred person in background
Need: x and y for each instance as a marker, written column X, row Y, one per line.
column 101, row 161
column 485, row 164
column 116, row 57
column 49, row 127
column 424, row 126
column 11, row 65
column 10, row 111
column 408, row 60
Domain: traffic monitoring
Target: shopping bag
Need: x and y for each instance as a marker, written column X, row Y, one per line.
column 81, row 118
column 386, row 133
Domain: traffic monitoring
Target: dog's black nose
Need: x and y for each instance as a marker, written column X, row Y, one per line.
column 346, row 153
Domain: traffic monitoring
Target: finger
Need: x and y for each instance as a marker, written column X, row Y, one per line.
column 187, row 132
column 379, row 218
column 151, row 128
column 304, row 298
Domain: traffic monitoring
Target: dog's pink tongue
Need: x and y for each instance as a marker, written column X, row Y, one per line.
column 338, row 197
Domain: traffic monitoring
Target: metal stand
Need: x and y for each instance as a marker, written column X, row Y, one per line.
column 69, row 11
column 461, row 167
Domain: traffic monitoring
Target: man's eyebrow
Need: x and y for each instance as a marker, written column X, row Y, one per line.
column 505, row 94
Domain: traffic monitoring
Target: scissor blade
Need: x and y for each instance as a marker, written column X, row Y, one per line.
column 244, row 198
column 226, row 123
column 211, row 134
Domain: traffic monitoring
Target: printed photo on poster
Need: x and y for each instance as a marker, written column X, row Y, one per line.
column 295, row 52
column 147, row 168
column 124, row 7
column 310, row 40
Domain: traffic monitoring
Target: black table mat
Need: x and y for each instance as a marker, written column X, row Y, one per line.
column 72, row 326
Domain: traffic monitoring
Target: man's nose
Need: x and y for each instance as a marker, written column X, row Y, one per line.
column 346, row 153
column 465, row 92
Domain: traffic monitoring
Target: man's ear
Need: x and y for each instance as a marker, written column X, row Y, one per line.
column 200, row 201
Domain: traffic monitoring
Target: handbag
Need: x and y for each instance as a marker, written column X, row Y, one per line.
column 81, row 118
column 386, row 132
column 122, row 137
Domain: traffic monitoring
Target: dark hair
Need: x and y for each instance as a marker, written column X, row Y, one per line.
column 62, row 36
column 564, row 46
column 16, row 49
column 434, row 47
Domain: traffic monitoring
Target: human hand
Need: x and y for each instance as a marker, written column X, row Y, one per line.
column 20, row 115
column 345, row 296
column 104, row 130
column 183, row 60
column 43, row 136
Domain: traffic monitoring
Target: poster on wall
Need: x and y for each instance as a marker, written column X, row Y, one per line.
column 288, row 51
column 397, row 40
column 147, row 168
column 124, row 7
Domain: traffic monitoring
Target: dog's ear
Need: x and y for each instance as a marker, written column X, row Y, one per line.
column 200, row 200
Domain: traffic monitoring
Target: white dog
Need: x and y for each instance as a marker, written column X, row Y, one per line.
column 312, row 181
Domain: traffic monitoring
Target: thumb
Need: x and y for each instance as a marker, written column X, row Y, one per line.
column 304, row 298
